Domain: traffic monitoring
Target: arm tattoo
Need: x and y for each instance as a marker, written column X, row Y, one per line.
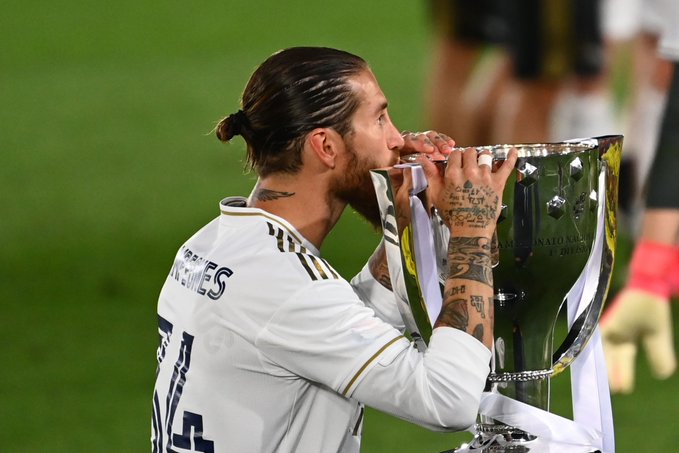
column 454, row 291
column 478, row 303
column 379, row 268
column 268, row 195
column 470, row 259
column 454, row 314
column 478, row 332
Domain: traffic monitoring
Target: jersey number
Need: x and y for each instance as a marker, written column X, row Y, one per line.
column 191, row 437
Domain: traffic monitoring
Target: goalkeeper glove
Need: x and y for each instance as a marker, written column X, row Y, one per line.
column 641, row 313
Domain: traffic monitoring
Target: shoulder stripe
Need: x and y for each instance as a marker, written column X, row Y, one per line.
column 316, row 267
column 368, row 362
column 302, row 259
column 323, row 267
column 330, row 269
column 257, row 214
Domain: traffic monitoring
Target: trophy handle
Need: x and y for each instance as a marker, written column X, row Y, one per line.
column 414, row 294
column 593, row 283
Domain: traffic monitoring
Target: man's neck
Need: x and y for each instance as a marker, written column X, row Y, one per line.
column 303, row 202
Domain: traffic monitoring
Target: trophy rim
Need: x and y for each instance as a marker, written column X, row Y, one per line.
column 500, row 151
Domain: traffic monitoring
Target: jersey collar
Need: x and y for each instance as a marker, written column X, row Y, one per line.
column 237, row 207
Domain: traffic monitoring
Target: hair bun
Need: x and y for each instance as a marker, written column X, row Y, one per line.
column 231, row 126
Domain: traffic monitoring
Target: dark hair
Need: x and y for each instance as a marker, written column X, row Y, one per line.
column 293, row 92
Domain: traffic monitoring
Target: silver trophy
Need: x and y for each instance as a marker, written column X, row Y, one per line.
column 558, row 201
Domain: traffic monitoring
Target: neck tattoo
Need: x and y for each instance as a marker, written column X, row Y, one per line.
column 269, row 195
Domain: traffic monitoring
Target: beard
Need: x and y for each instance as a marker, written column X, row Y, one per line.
column 357, row 190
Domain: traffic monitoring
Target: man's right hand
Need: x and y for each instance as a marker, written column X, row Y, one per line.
column 468, row 197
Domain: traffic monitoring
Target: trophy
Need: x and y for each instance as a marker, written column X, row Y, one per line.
column 553, row 249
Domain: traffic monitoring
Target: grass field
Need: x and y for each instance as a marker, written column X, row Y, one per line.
column 108, row 164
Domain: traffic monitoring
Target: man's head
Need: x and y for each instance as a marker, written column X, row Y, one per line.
column 293, row 92
column 373, row 143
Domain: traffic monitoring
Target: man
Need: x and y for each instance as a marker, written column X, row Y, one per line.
column 641, row 312
column 264, row 347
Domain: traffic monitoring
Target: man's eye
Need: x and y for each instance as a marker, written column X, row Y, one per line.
column 382, row 119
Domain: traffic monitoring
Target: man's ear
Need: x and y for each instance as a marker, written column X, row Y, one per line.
column 325, row 145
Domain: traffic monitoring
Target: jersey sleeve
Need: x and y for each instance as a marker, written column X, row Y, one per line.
column 324, row 333
column 377, row 297
column 439, row 389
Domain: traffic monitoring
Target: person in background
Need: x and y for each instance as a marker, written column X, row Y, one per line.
column 468, row 68
column 519, row 71
column 641, row 78
column 558, row 88
column 641, row 311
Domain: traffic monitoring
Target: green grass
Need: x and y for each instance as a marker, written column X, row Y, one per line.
column 108, row 164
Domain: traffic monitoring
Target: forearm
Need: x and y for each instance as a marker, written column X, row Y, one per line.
column 376, row 296
column 468, row 292
column 379, row 267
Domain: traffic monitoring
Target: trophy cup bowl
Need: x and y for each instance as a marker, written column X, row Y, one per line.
column 559, row 199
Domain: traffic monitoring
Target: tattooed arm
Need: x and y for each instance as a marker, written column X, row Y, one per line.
column 468, row 293
column 468, row 198
column 378, row 266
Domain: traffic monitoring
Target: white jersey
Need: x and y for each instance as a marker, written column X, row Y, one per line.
column 265, row 348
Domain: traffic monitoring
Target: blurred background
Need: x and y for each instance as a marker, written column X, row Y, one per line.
column 108, row 164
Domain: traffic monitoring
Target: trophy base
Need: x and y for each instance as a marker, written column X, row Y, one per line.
column 498, row 438
column 490, row 438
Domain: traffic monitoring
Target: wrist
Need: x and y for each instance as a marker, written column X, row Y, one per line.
column 651, row 268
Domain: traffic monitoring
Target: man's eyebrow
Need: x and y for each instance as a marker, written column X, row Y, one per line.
column 382, row 106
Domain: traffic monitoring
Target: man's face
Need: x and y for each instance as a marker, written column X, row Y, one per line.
column 373, row 143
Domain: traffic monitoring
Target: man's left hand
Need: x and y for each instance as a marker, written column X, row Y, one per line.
column 435, row 145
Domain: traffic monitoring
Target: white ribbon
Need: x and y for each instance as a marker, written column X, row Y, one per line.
column 589, row 378
column 551, row 429
column 592, row 427
column 425, row 257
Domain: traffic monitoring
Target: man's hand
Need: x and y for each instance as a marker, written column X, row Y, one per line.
column 637, row 316
column 468, row 196
column 435, row 145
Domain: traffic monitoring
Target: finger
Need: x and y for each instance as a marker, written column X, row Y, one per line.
column 485, row 161
column 432, row 172
column 416, row 142
column 659, row 344
column 507, row 166
column 620, row 359
column 443, row 143
column 455, row 158
column 429, row 167
column 403, row 190
column 470, row 158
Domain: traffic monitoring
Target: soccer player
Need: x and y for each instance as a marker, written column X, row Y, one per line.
column 264, row 346
column 641, row 312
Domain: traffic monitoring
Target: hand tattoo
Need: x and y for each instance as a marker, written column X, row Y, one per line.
column 472, row 206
